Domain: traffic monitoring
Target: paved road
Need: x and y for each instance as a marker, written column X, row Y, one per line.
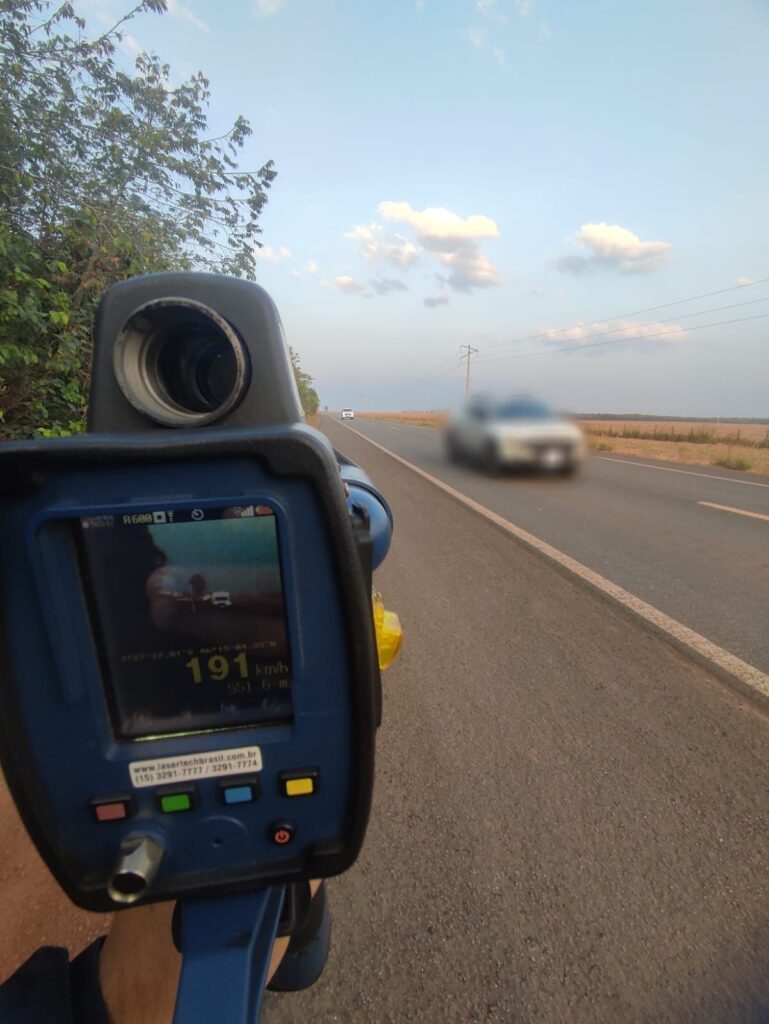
column 571, row 818
column 643, row 528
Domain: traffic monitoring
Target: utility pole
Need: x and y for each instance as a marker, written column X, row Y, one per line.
column 467, row 354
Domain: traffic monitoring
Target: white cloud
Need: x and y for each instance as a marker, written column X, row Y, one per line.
column 438, row 228
column 619, row 334
column 296, row 273
column 489, row 9
column 312, row 267
column 178, row 10
column 477, row 36
column 523, row 7
column 544, row 30
column 270, row 255
column 130, row 43
column 468, row 269
column 452, row 241
column 378, row 247
column 348, row 285
column 431, row 301
column 742, row 281
column 266, row 8
column 611, row 247
column 379, row 286
column 385, row 285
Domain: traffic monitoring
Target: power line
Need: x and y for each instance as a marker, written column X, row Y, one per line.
column 441, row 373
column 635, row 312
column 617, row 341
column 666, row 320
column 469, row 350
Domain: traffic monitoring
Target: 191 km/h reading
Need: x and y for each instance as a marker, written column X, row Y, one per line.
column 218, row 668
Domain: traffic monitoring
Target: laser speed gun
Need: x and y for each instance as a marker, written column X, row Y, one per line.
column 189, row 667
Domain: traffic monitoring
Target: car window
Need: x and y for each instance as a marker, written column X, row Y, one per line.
column 523, row 409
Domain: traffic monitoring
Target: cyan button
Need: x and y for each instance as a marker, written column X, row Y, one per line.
column 238, row 795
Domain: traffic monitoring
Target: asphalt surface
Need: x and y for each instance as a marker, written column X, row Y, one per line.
column 570, row 821
column 643, row 528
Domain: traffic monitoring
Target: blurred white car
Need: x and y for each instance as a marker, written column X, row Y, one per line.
column 348, row 414
column 518, row 431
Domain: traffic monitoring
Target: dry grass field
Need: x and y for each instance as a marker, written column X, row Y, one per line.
column 748, row 435
column 728, row 456
column 413, row 419
column 742, row 446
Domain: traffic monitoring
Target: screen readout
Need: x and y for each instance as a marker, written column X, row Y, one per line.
column 189, row 615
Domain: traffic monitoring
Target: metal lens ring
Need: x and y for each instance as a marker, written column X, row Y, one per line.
column 180, row 363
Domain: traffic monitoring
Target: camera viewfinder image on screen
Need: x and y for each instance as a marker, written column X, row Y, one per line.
column 189, row 616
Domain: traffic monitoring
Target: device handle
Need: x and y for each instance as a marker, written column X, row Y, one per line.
column 363, row 493
column 226, row 946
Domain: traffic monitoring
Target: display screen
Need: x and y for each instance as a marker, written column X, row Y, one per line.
column 189, row 615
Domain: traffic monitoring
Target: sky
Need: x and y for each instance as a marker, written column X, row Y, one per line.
column 527, row 177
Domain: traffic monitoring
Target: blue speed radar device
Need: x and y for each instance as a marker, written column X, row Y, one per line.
column 190, row 687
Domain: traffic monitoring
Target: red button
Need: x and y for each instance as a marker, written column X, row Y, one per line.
column 110, row 812
column 282, row 834
column 113, row 807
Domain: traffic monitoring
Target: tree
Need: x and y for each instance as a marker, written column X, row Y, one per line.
column 104, row 174
column 307, row 393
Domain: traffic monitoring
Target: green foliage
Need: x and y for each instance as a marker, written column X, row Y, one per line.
column 307, row 393
column 43, row 336
column 104, row 174
column 733, row 462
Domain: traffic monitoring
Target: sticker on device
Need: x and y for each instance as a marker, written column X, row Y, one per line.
column 195, row 766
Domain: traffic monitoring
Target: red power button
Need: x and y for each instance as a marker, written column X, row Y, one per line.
column 281, row 833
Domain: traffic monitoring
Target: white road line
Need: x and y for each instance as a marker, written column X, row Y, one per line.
column 751, row 678
column 737, row 511
column 686, row 472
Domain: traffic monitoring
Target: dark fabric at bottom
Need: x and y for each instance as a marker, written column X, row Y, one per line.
column 48, row 989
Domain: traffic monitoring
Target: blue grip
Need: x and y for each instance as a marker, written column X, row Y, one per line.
column 226, row 949
column 363, row 493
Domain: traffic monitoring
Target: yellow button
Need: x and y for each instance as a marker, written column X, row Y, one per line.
column 300, row 787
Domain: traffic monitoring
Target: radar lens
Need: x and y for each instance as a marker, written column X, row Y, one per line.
column 180, row 363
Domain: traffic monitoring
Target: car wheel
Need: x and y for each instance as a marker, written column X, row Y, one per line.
column 453, row 451
column 490, row 460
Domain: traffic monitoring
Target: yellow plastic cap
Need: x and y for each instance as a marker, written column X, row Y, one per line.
column 389, row 635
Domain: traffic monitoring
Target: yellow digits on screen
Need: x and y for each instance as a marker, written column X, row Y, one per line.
column 218, row 667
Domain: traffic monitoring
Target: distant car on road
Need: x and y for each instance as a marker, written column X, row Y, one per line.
column 348, row 414
column 520, row 431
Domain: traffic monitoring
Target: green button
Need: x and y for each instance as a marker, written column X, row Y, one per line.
column 175, row 802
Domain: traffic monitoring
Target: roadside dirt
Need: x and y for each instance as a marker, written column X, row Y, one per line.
column 35, row 911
